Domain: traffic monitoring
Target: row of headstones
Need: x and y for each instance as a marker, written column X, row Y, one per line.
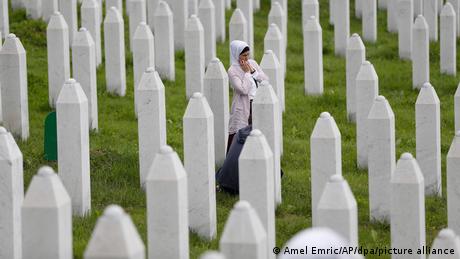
column 396, row 192
column 413, row 42
column 72, row 113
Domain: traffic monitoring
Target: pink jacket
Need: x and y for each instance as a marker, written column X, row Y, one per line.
column 241, row 83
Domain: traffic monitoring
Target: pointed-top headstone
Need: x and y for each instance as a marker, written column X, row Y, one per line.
column 137, row 15
column 84, row 71
column 274, row 40
column 46, row 218
column 220, row 20
column 12, row 190
column 143, row 55
column 366, row 92
column 194, row 56
column 405, row 17
column 256, row 181
column 356, row 55
column 13, row 67
column 115, row 236
column 244, row 236
column 342, row 26
column 430, row 12
column 313, row 57
column 199, row 163
column 266, row 118
column 247, row 7
column 381, row 141
column 448, row 39
column 73, row 145
column 309, row 8
column 207, row 15
column 338, row 210
column 216, row 91
column 369, row 20
column 276, row 16
column 167, row 219
column 457, row 108
column 407, row 205
column 57, row 35
column 91, row 20
column 164, row 41
column 237, row 26
column 68, row 8
column 271, row 66
column 428, row 138
column 326, row 157
column 151, row 119
column 446, row 240
column 420, row 53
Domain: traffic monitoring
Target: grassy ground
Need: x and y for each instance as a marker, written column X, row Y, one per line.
column 114, row 149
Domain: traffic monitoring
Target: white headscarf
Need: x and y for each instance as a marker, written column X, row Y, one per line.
column 318, row 237
column 236, row 47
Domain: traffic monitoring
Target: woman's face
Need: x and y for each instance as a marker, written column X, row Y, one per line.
column 244, row 56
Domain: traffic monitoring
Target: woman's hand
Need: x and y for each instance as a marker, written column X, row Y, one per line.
column 246, row 66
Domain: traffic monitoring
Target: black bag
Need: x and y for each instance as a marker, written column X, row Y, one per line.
column 227, row 175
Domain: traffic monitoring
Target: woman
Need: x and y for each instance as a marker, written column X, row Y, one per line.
column 244, row 75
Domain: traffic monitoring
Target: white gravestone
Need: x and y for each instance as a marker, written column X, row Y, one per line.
column 192, row 7
column 115, row 236
column 49, row 7
column 91, row 21
column 68, row 9
column 4, row 18
column 194, row 56
column 382, row 4
column 151, row 7
column 215, row 89
column 246, row 6
column 273, row 40
column 326, row 157
column 313, row 57
column 167, row 218
column 199, row 163
column 407, row 207
column 137, row 15
column 381, row 141
column 220, row 20
column 342, row 26
column 447, row 241
column 114, row 38
column 143, row 56
column 151, row 120
column 181, row 15
column 338, row 210
column 256, row 178
column 331, row 11
column 277, row 16
column 11, row 196
column 392, row 16
column 420, row 53
column 13, row 74
column 114, row 3
column 73, row 145
column 369, row 20
column 84, row 72
column 237, row 28
column 367, row 89
column 457, row 108
column 309, row 8
column 266, row 118
column 453, row 180
column 456, row 5
column 405, row 17
column 356, row 55
column 430, row 12
column 207, row 16
column 57, row 40
column 244, row 236
column 428, row 138
column 448, row 40
column 164, row 42
column 46, row 218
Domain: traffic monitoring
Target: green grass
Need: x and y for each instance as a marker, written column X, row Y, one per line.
column 114, row 149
